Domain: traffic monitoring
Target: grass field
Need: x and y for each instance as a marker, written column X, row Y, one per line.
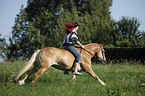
column 122, row 79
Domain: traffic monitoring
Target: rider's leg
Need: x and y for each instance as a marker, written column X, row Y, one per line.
column 77, row 56
column 76, row 69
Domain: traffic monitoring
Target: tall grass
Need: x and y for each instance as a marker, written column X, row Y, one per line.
column 123, row 79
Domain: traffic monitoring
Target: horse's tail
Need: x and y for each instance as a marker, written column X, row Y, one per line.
column 16, row 75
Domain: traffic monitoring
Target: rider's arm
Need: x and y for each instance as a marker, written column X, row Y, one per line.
column 78, row 42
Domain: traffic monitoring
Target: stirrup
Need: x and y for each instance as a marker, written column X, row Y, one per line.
column 77, row 73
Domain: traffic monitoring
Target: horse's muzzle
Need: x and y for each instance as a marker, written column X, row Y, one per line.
column 103, row 61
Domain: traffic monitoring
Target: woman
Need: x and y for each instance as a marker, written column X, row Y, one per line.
column 70, row 40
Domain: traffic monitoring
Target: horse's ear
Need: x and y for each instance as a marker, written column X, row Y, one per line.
column 103, row 44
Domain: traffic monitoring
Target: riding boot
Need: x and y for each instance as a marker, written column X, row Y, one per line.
column 75, row 69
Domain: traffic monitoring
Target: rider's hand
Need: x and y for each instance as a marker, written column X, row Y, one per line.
column 82, row 46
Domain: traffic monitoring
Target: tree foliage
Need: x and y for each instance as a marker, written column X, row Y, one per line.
column 3, row 48
column 25, row 38
column 41, row 24
column 126, row 33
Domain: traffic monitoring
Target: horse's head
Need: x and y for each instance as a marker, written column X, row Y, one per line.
column 101, row 54
column 96, row 49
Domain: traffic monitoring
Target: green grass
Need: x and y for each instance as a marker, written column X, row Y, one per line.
column 122, row 79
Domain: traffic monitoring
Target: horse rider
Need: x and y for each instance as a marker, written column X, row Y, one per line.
column 71, row 38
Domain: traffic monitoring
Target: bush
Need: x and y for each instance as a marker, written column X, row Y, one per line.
column 118, row 54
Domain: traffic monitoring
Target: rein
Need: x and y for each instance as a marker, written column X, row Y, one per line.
column 90, row 52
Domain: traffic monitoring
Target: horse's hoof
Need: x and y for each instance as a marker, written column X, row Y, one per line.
column 21, row 82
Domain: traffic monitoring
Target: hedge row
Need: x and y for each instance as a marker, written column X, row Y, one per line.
column 137, row 54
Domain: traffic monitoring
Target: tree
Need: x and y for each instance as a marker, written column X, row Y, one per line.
column 3, row 48
column 126, row 33
column 143, row 39
column 41, row 24
column 25, row 38
column 92, row 15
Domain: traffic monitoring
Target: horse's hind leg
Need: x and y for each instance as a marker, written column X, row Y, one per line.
column 33, row 70
column 38, row 73
column 74, row 78
column 30, row 72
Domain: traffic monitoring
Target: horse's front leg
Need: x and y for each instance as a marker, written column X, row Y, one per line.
column 89, row 70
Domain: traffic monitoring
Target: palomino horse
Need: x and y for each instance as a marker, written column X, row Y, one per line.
column 61, row 59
